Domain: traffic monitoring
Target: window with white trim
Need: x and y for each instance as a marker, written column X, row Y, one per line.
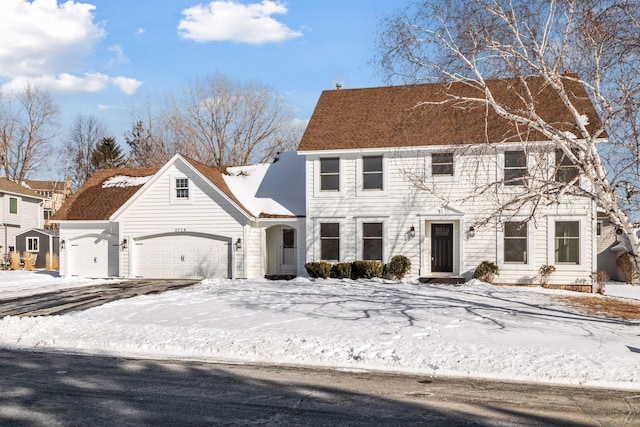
column 372, row 241
column 566, row 170
column 515, row 242
column 13, row 205
column 33, row 244
column 372, row 178
column 567, row 242
column 330, row 241
column 442, row 164
column 182, row 188
column 515, row 167
column 330, row 174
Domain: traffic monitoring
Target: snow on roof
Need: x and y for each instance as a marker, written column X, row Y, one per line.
column 122, row 181
column 270, row 188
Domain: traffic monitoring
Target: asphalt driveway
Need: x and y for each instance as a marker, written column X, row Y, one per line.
column 77, row 299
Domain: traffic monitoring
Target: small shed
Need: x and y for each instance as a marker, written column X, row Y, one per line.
column 38, row 241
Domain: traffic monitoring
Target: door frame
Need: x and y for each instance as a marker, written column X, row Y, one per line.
column 457, row 219
column 449, row 268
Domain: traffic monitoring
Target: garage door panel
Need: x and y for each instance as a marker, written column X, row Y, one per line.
column 182, row 256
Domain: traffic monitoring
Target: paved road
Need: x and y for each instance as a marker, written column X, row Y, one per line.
column 49, row 389
column 76, row 299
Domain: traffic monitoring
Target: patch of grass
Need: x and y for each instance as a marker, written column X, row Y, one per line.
column 604, row 307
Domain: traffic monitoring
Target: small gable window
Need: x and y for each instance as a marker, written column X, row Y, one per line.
column 442, row 164
column 372, row 173
column 330, row 174
column 566, row 171
column 13, row 205
column 182, row 188
column 32, row 244
column 515, row 167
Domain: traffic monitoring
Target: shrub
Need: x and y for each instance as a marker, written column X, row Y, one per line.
column 600, row 279
column 341, row 270
column 399, row 266
column 15, row 261
column 486, row 271
column 28, row 262
column 366, row 269
column 318, row 269
column 628, row 271
column 546, row 271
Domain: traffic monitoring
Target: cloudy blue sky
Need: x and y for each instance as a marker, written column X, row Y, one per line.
column 103, row 57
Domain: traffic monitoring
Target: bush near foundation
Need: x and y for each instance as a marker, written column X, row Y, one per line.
column 486, row 271
column 341, row 270
column 366, row 269
column 320, row 270
column 399, row 266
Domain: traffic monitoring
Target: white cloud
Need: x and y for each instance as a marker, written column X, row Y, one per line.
column 140, row 31
column 41, row 41
column 118, row 55
column 228, row 20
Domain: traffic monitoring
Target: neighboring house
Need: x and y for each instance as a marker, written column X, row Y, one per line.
column 54, row 192
column 187, row 220
column 39, row 242
column 21, row 209
column 395, row 170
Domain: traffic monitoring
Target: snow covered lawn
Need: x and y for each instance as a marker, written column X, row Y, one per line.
column 475, row 330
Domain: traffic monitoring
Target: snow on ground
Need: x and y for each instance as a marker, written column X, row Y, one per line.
column 474, row 330
column 19, row 283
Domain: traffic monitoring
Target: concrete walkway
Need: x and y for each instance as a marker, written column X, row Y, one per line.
column 77, row 299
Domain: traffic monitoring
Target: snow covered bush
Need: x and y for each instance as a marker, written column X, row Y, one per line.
column 318, row 269
column 399, row 266
column 486, row 271
column 366, row 269
column 600, row 278
column 341, row 270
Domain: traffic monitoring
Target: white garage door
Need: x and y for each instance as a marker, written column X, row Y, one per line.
column 89, row 257
column 182, row 256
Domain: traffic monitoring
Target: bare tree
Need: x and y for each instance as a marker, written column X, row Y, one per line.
column 27, row 120
column 84, row 136
column 149, row 140
column 598, row 40
column 221, row 122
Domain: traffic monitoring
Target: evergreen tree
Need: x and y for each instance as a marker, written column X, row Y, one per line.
column 107, row 155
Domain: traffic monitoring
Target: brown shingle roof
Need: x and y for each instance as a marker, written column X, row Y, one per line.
column 93, row 202
column 388, row 117
column 8, row 186
column 45, row 185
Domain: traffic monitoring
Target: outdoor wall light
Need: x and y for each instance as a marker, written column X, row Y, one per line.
column 472, row 231
column 124, row 244
column 62, row 244
column 239, row 244
column 412, row 232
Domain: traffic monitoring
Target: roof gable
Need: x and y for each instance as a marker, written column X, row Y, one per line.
column 8, row 186
column 397, row 116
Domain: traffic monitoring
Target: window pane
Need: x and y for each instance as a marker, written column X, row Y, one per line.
column 372, row 229
column 372, row 249
column 330, row 249
column 515, row 159
column 372, row 182
column 372, row 164
column 330, row 230
column 331, row 165
column 442, row 170
column 288, row 240
column 13, row 205
column 515, row 229
column 515, row 250
column 567, row 229
column 330, row 182
column 182, row 188
column 567, row 251
column 442, row 164
column 442, row 158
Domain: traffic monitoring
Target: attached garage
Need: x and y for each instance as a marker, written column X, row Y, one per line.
column 182, row 255
column 89, row 256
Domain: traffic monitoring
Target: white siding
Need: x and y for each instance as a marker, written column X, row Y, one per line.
column 87, row 233
column 29, row 216
column 402, row 205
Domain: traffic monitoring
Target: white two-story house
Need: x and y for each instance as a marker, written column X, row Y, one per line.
column 21, row 209
column 404, row 170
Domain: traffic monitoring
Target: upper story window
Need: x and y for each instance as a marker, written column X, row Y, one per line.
column 515, row 242
column 567, row 242
column 372, row 177
column 515, row 167
column 372, row 241
column 442, row 164
column 330, row 174
column 330, row 241
column 13, row 205
column 182, row 188
column 566, row 171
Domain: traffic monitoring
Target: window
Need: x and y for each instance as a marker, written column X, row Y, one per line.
column 515, row 242
column 330, row 241
column 47, row 213
column 330, row 174
column 442, row 164
column 32, row 244
column 515, row 167
column 182, row 188
column 599, row 228
column 567, row 242
column 13, row 205
column 372, row 173
column 566, row 171
column 372, row 241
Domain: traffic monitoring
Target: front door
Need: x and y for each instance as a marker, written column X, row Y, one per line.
column 288, row 248
column 441, row 248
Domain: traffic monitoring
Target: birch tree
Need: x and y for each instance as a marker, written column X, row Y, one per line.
column 592, row 43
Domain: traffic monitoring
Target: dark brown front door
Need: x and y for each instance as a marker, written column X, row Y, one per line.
column 441, row 248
